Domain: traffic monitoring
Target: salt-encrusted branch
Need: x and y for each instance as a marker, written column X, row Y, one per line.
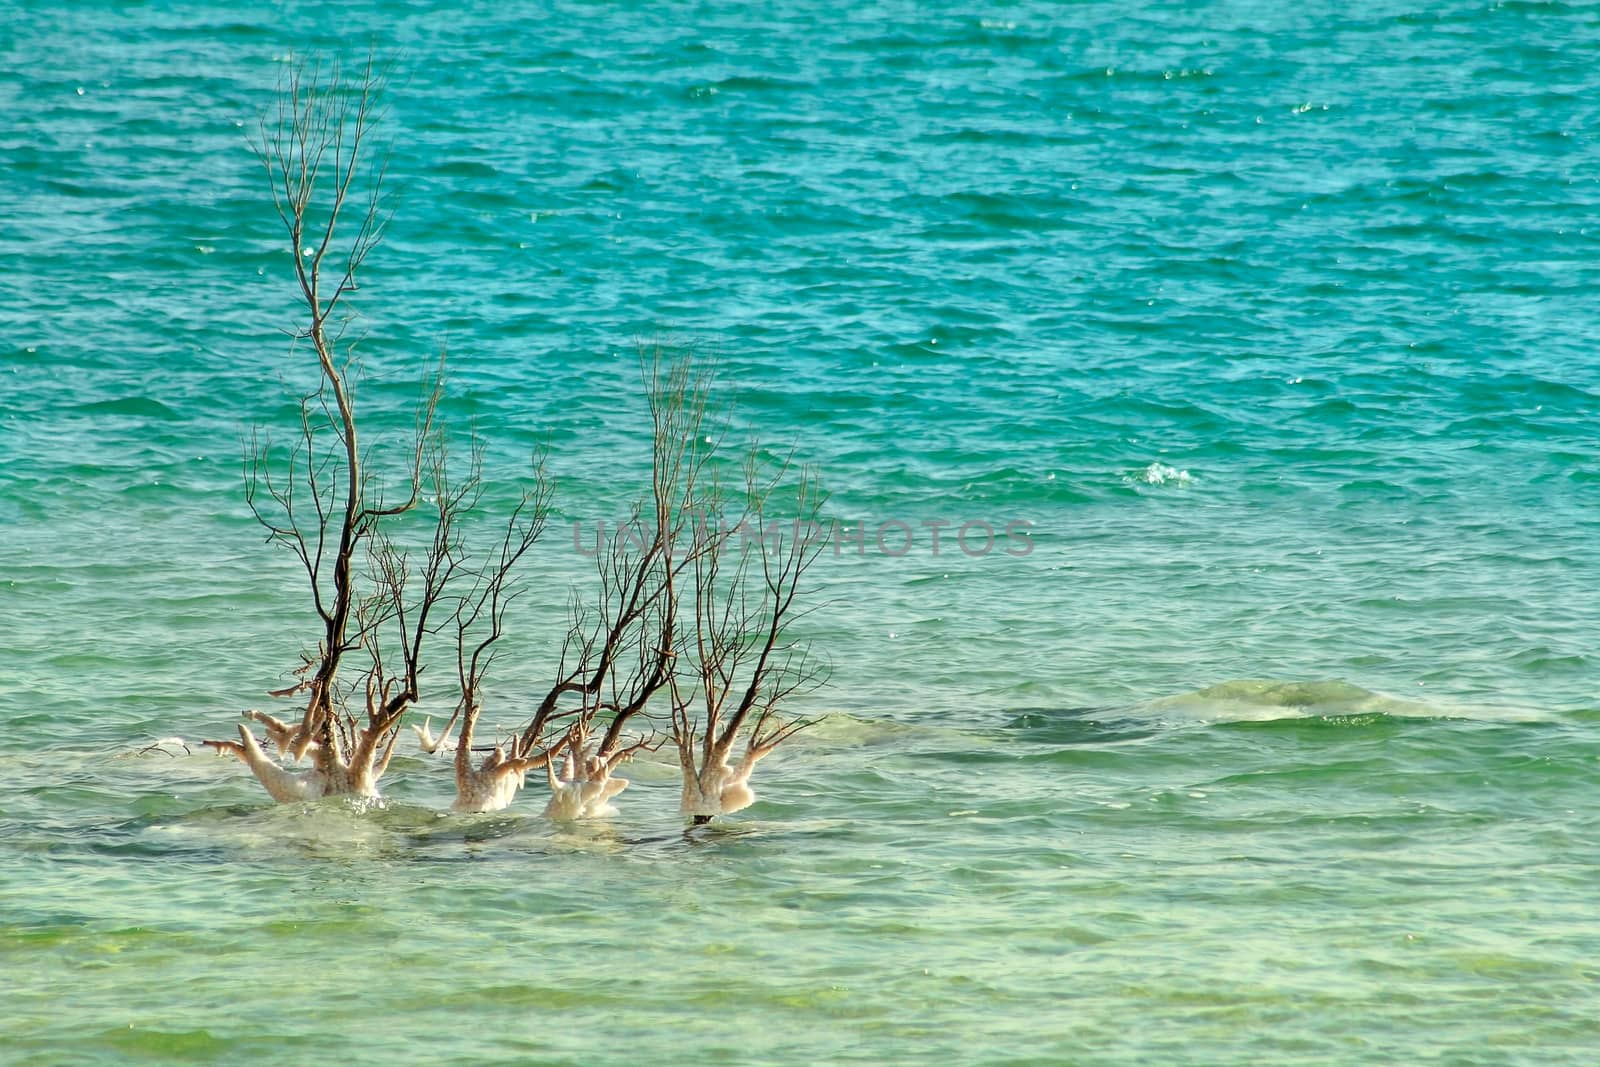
column 744, row 663
column 479, row 621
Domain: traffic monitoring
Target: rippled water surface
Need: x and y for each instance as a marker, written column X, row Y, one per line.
column 1277, row 325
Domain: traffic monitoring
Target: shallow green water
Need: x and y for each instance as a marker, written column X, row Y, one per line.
column 1277, row 325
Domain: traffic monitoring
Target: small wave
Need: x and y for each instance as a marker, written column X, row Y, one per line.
column 1255, row 698
column 1078, row 726
column 1159, row 473
column 839, row 729
column 1262, row 700
column 464, row 168
column 759, row 83
column 142, row 406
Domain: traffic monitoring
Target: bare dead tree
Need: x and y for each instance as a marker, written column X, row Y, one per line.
column 726, row 665
column 320, row 499
column 742, row 662
column 621, row 654
column 624, row 654
column 479, row 625
column 408, row 594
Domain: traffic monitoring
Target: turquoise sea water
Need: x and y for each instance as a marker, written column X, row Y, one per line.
column 1277, row 324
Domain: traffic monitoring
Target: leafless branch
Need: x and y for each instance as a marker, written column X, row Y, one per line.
column 748, row 585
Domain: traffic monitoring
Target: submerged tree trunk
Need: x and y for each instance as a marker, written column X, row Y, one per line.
column 744, row 663
column 479, row 620
column 317, row 498
column 493, row 784
column 585, row 787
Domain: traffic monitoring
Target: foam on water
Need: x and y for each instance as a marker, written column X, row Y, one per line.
column 1159, row 473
